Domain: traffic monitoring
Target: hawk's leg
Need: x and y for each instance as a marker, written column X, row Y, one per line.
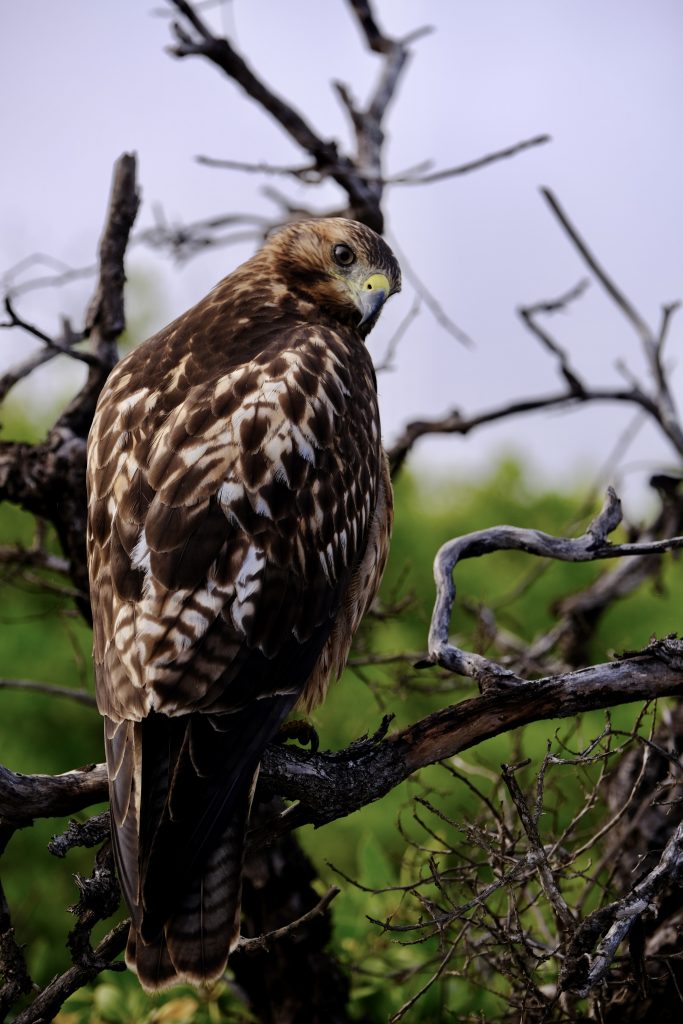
column 301, row 731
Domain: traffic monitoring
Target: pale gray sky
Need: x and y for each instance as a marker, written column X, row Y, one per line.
column 84, row 81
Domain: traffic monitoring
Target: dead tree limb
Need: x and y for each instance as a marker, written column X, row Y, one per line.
column 584, row 970
column 52, row 997
column 652, row 343
column 48, row 479
column 360, row 175
column 328, row 785
column 657, row 402
column 591, row 546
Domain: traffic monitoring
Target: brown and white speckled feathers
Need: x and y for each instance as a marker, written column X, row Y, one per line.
column 239, row 517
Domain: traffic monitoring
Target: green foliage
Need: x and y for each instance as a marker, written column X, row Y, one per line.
column 122, row 1001
column 42, row 638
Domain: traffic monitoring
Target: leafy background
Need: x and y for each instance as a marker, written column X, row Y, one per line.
column 42, row 638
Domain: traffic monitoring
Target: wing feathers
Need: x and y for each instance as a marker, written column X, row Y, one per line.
column 123, row 753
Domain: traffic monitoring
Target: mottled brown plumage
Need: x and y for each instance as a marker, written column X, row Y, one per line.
column 239, row 517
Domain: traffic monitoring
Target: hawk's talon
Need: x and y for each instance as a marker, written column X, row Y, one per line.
column 301, row 731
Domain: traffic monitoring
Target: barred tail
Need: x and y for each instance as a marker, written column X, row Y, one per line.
column 196, row 941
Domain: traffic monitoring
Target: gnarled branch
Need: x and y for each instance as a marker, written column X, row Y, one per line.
column 48, row 479
column 331, row 785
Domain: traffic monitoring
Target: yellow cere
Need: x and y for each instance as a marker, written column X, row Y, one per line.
column 376, row 282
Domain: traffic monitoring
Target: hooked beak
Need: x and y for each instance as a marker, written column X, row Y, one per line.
column 371, row 296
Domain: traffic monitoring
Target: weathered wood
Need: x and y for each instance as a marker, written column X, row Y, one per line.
column 331, row 785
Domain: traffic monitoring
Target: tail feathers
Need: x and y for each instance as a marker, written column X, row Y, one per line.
column 151, row 962
column 197, row 939
column 206, row 926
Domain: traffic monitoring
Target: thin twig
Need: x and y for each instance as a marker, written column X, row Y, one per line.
column 55, row 346
column 430, row 301
column 537, row 855
column 615, row 293
column 79, row 696
column 308, row 173
column 387, row 360
column 263, row 943
column 400, row 1013
column 23, row 370
column 529, row 314
column 472, row 165
column 63, row 274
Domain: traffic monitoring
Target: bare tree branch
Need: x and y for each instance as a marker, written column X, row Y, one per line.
column 105, row 319
column 456, row 422
column 333, row 785
column 589, row 547
column 528, row 315
column 62, row 274
column 263, row 943
column 52, row 997
column 582, row 971
column 615, row 293
column 359, row 176
column 472, row 165
column 659, row 406
column 55, row 347
column 579, row 614
column 310, row 174
column 79, row 696
column 48, row 479
column 26, row 797
column 652, row 345
column 184, row 240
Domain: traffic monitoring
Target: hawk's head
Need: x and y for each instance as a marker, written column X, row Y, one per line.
column 340, row 265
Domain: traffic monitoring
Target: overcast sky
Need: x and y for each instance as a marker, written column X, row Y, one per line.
column 84, row 81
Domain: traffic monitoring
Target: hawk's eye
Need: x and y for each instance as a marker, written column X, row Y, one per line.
column 343, row 255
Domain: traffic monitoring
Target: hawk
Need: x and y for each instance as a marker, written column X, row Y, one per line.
column 239, row 512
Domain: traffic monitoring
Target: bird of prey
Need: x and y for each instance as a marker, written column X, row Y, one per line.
column 239, row 512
